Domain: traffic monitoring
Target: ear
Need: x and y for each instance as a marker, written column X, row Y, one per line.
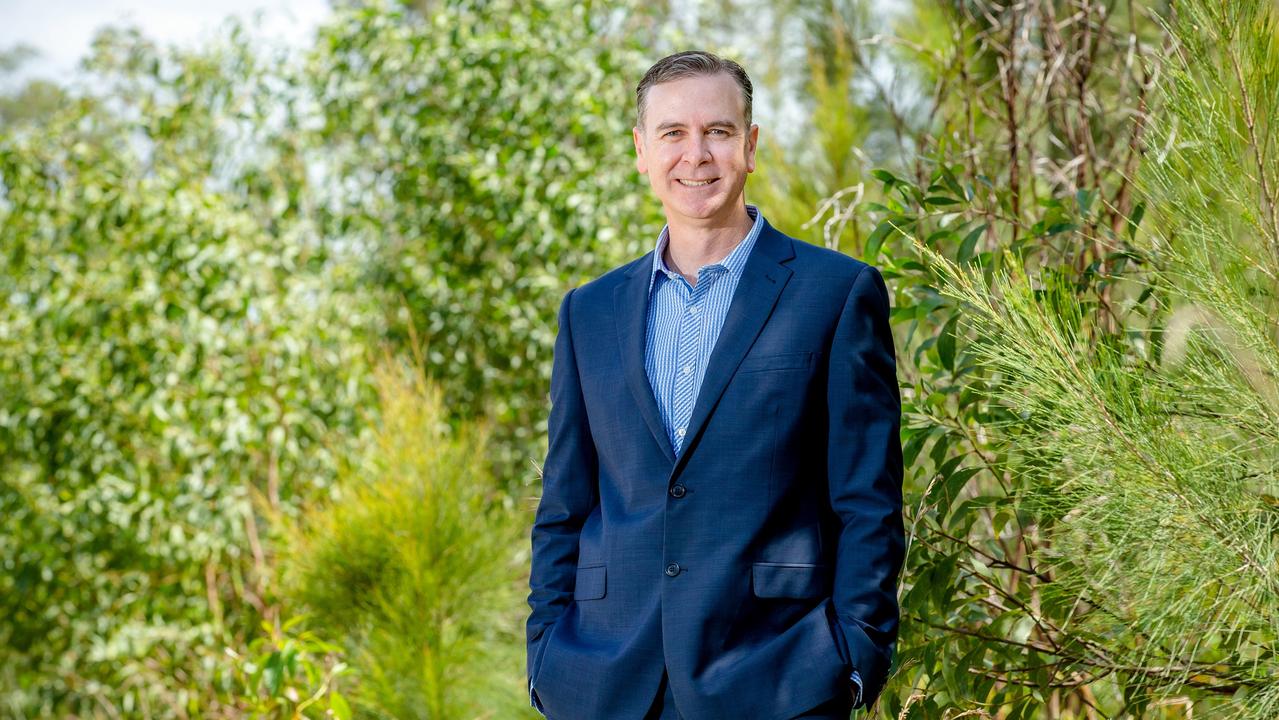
column 752, row 141
column 641, row 164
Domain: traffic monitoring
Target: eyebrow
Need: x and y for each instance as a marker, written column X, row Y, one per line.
column 714, row 123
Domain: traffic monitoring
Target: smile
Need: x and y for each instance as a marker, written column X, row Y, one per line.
column 696, row 183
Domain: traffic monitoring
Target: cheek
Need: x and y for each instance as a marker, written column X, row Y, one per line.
column 667, row 159
column 731, row 157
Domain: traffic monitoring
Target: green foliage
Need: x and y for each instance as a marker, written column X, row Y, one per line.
column 824, row 157
column 486, row 168
column 997, row 184
column 1143, row 454
column 196, row 257
column 1162, row 542
column 34, row 100
column 973, row 636
column 165, row 358
column 415, row 565
column 288, row 674
column 997, row 169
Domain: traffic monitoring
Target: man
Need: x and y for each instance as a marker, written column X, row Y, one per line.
column 719, row 534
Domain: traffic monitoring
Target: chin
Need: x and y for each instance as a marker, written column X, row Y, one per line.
column 702, row 211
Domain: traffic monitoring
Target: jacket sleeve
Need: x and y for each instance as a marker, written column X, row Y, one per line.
column 570, row 490
column 864, row 469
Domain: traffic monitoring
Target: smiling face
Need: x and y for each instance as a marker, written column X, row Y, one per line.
column 696, row 149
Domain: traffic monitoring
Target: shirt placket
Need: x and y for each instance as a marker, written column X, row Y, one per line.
column 688, row 356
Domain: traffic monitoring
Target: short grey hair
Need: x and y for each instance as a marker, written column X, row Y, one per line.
column 691, row 63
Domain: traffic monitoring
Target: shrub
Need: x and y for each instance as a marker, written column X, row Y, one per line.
column 418, row 565
column 163, row 359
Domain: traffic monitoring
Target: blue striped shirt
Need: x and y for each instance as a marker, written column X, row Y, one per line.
column 683, row 324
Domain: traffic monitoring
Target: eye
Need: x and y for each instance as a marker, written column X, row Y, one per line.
column 721, row 131
column 669, row 133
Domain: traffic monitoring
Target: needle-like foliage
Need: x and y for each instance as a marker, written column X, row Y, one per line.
column 1156, row 470
column 416, row 565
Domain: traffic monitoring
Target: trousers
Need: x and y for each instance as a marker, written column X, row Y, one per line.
column 664, row 707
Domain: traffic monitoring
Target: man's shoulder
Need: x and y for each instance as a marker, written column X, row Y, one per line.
column 602, row 287
column 818, row 261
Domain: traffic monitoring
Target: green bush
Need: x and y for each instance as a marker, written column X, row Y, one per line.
column 287, row 673
column 163, row 360
column 486, row 167
column 195, row 256
column 418, row 564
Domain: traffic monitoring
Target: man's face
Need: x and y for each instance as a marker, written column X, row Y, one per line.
column 696, row 149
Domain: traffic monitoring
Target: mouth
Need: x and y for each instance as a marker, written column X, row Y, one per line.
column 696, row 183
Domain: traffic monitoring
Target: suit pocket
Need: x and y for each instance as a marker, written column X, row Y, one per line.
column 790, row 580
column 779, row 361
column 590, row 583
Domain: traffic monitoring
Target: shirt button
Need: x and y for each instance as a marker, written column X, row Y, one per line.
column 679, row 432
column 688, row 369
column 677, row 491
column 672, row 570
column 693, row 310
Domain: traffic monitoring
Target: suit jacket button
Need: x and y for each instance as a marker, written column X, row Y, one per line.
column 672, row 569
column 677, row 491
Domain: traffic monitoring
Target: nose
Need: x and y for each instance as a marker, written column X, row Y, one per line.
column 697, row 151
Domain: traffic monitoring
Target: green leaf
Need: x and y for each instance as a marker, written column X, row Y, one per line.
column 1135, row 219
column 947, row 468
column 338, row 704
column 937, row 453
column 970, row 243
column 952, row 183
column 272, row 674
column 1084, row 198
column 946, row 344
column 912, row 446
column 886, row 177
column 876, row 240
column 938, row 236
column 955, row 482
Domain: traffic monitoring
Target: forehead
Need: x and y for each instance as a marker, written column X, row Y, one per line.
column 688, row 100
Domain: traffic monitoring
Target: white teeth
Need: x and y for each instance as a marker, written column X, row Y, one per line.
column 695, row 183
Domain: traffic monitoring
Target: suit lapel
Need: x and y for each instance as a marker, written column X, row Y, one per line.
column 630, row 300
column 756, row 295
column 762, row 281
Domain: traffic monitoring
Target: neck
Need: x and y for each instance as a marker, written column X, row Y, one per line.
column 692, row 246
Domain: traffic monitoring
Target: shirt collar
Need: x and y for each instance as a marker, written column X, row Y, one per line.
column 734, row 263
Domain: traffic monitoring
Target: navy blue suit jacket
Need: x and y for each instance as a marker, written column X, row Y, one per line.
column 760, row 565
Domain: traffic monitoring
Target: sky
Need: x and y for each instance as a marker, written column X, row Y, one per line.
column 61, row 29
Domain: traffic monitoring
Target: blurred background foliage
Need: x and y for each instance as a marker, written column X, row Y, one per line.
column 416, row 563
column 275, row 334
